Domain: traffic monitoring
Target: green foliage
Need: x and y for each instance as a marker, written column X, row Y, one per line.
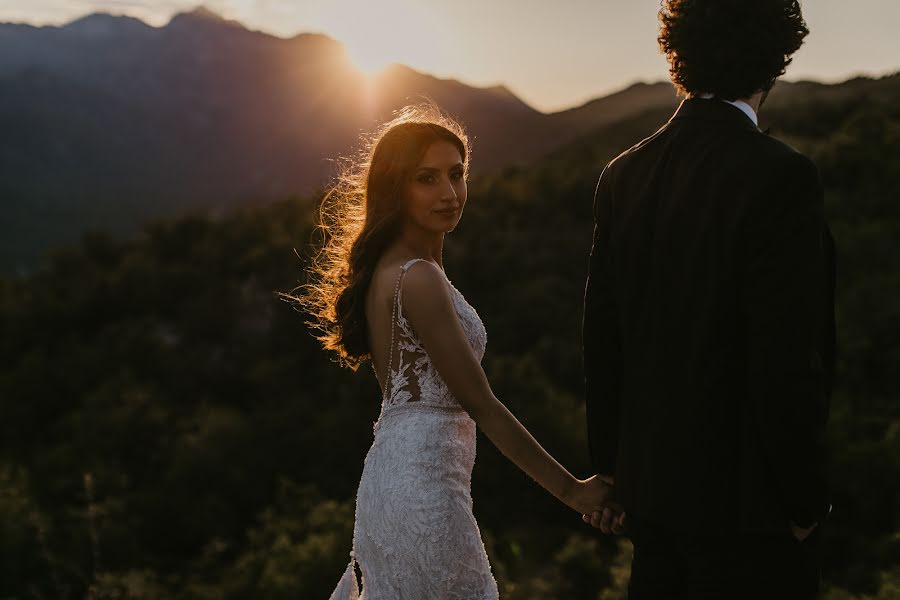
column 172, row 430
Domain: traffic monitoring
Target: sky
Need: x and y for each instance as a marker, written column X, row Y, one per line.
column 553, row 55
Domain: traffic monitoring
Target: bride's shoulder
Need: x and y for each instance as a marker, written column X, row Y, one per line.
column 424, row 285
column 421, row 271
column 413, row 273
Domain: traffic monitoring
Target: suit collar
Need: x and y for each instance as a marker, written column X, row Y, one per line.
column 713, row 110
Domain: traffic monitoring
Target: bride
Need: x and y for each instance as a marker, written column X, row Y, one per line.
column 379, row 294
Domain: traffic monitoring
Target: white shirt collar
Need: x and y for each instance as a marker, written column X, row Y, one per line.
column 745, row 108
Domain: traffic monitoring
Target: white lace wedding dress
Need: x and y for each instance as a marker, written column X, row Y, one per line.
column 415, row 537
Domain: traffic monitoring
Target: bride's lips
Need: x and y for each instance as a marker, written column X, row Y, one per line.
column 447, row 212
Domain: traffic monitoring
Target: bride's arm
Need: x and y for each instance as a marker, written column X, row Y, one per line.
column 429, row 309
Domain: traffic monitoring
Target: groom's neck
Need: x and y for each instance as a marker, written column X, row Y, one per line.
column 756, row 101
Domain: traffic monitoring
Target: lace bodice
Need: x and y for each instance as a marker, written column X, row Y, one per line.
column 411, row 374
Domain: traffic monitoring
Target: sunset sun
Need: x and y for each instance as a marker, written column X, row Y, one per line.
column 415, row 35
column 370, row 58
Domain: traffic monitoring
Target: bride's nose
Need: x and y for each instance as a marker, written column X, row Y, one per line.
column 448, row 192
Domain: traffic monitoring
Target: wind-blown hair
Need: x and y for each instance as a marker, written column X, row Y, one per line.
column 729, row 48
column 360, row 216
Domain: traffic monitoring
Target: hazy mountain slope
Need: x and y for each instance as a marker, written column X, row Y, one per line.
column 108, row 121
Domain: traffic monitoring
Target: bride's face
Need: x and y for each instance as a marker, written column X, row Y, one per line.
column 435, row 195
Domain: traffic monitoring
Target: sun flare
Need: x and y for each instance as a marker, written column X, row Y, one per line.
column 391, row 31
column 370, row 59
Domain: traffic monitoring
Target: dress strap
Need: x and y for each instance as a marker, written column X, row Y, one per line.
column 409, row 263
column 395, row 308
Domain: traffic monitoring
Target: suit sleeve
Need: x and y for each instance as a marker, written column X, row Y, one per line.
column 602, row 348
column 784, row 296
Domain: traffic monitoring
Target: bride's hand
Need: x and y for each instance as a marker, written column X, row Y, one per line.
column 592, row 497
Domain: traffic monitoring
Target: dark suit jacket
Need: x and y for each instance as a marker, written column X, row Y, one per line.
column 709, row 326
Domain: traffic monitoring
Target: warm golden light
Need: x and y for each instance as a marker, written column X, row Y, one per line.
column 391, row 31
column 370, row 59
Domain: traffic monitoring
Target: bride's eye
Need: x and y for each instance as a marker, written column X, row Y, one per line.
column 425, row 178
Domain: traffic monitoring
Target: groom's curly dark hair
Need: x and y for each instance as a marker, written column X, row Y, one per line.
column 729, row 48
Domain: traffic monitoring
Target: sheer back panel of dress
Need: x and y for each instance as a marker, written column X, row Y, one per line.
column 411, row 376
column 400, row 384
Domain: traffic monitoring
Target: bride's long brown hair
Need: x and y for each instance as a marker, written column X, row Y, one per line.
column 359, row 217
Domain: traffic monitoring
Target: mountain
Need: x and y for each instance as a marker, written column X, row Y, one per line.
column 615, row 107
column 108, row 122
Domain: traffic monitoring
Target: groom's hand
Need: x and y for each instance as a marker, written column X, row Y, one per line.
column 800, row 533
column 610, row 521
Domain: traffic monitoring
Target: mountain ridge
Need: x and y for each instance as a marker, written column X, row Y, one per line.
column 108, row 129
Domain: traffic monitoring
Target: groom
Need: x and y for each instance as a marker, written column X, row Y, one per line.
column 709, row 327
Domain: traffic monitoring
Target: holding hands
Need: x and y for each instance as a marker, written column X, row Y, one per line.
column 592, row 497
